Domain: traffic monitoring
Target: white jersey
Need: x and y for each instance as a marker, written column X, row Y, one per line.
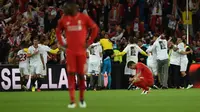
column 181, row 47
column 35, row 60
column 152, row 55
column 132, row 51
column 160, row 45
column 45, row 50
column 95, row 49
column 23, row 60
column 175, row 58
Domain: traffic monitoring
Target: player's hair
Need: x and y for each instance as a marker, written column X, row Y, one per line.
column 96, row 40
column 132, row 40
column 130, row 63
column 148, row 41
column 42, row 40
column 70, row 8
column 36, row 38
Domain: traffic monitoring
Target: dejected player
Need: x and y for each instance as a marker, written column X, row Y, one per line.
column 143, row 78
column 76, row 26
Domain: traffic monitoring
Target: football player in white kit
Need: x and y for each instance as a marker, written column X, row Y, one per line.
column 152, row 63
column 37, row 64
column 45, row 49
column 23, row 65
column 183, row 58
column 94, row 62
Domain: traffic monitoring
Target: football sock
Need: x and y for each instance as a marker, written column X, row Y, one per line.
column 183, row 81
column 33, row 80
column 81, row 87
column 40, row 81
column 25, row 82
column 88, row 81
column 71, row 83
column 95, row 81
column 109, row 81
column 156, row 80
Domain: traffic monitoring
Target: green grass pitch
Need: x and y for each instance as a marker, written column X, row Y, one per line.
column 99, row 101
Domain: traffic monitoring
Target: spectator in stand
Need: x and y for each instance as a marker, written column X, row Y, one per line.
column 12, row 56
column 51, row 19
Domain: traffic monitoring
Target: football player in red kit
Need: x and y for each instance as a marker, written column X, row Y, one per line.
column 76, row 26
column 143, row 78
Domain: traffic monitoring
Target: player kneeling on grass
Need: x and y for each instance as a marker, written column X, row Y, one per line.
column 143, row 78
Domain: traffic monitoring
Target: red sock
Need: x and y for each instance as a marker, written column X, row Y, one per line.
column 82, row 87
column 71, row 84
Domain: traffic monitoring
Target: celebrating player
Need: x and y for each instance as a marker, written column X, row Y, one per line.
column 23, row 65
column 76, row 26
column 36, row 63
column 143, row 78
column 45, row 50
column 94, row 62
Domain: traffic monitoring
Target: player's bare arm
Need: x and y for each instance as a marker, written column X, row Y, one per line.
column 136, row 78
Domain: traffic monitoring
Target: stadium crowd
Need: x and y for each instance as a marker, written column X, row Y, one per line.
column 121, row 23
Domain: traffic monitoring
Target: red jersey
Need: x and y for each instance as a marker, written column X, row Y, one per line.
column 145, row 71
column 76, row 30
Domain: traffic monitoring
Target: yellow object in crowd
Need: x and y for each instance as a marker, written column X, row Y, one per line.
column 117, row 58
column 52, row 37
column 185, row 19
column 106, row 43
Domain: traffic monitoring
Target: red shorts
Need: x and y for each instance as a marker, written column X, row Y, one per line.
column 76, row 63
column 146, row 81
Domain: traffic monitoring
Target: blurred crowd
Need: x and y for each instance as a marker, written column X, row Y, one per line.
column 22, row 20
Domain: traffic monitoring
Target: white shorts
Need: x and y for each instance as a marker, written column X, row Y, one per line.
column 184, row 64
column 24, row 71
column 153, row 68
column 36, row 69
column 94, row 67
column 44, row 72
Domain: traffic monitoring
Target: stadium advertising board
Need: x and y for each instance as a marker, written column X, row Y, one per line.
column 10, row 78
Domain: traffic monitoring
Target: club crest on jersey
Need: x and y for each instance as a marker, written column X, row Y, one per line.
column 77, row 27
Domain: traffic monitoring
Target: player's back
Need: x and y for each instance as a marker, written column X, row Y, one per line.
column 23, row 59
column 145, row 71
column 76, row 31
column 45, row 50
column 96, row 49
column 132, row 52
column 161, row 49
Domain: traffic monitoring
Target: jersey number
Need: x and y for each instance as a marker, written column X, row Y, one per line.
column 162, row 45
column 22, row 57
column 92, row 50
column 133, row 52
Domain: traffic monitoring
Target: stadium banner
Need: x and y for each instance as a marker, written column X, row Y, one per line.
column 10, row 78
column 56, row 78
